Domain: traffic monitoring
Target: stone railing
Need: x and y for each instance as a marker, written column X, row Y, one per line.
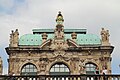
column 60, row 77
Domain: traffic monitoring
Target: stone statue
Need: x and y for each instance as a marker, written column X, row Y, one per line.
column 11, row 38
column 105, row 35
column 14, row 38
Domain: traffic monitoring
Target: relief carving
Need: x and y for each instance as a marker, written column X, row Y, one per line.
column 59, row 45
column 59, row 34
column 43, row 63
column 74, row 61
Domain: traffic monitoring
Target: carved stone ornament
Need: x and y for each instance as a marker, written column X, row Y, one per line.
column 59, row 57
column 22, row 60
column 59, row 45
column 82, row 60
column 43, row 59
column 74, row 35
column 105, row 36
column 17, row 60
column 11, row 38
column 56, row 53
column 44, row 36
column 59, row 34
column 59, row 31
column 43, row 67
column 14, row 38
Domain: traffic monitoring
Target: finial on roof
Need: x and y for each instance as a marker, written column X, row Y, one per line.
column 59, row 12
column 59, row 19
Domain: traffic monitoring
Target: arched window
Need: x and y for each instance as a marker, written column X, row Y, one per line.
column 29, row 69
column 90, row 68
column 59, row 69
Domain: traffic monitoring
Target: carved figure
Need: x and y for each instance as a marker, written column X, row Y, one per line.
column 11, row 37
column 105, row 35
column 59, row 34
column 16, row 37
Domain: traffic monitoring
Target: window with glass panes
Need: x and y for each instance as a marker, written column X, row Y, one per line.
column 60, row 69
column 90, row 68
column 29, row 69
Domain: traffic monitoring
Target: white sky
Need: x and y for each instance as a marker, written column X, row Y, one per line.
column 92, row 15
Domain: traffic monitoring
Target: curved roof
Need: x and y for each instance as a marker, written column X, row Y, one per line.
column 86, row 39
column 36, row 39
column 30, row 39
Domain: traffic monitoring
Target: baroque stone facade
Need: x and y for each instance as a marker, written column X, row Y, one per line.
column 49, row 51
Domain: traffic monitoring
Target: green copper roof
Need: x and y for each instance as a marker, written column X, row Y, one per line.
column 30, row 39
column 85, row 39
column 88, row 39
column 82, row 39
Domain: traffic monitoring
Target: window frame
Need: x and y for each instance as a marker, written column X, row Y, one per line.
column 59, row 69
column 29, row 69
column 90, row 68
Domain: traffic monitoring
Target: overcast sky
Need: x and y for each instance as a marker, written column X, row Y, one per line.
column 92, row 15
